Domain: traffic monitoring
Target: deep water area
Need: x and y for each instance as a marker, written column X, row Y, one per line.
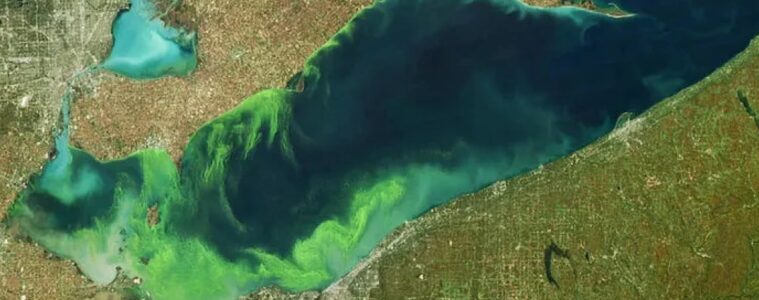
column 412, row 103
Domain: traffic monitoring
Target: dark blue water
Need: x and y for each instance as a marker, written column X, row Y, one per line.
column 410, row 105
column 441, row 83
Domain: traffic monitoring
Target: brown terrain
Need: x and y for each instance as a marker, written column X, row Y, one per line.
column 664, row 207
column 42, row 45
column 244, row 46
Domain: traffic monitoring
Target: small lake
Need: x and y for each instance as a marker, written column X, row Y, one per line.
column 411, row 104
column 145, row 48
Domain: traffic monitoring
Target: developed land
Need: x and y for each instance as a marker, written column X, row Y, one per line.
column 244, row 46
column 42, row 45
column 664, row 207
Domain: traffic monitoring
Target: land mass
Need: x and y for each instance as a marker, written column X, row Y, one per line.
column 110, row 111
column 663, row 207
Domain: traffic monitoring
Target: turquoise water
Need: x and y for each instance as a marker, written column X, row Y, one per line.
column 144, row 47
column 411, row 104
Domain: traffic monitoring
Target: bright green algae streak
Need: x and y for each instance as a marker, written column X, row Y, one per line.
column 393, row 119
column 122, row 237
column 120, row 192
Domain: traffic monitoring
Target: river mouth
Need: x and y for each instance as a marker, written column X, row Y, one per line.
column 409, row 106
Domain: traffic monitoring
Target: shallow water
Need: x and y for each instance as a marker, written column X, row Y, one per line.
column 409, row 105
column 144, row 47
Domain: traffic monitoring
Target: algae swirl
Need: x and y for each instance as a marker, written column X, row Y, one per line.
column 411, row 104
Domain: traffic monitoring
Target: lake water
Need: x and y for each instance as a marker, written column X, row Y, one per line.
column 411, row 104
column 144, row 47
